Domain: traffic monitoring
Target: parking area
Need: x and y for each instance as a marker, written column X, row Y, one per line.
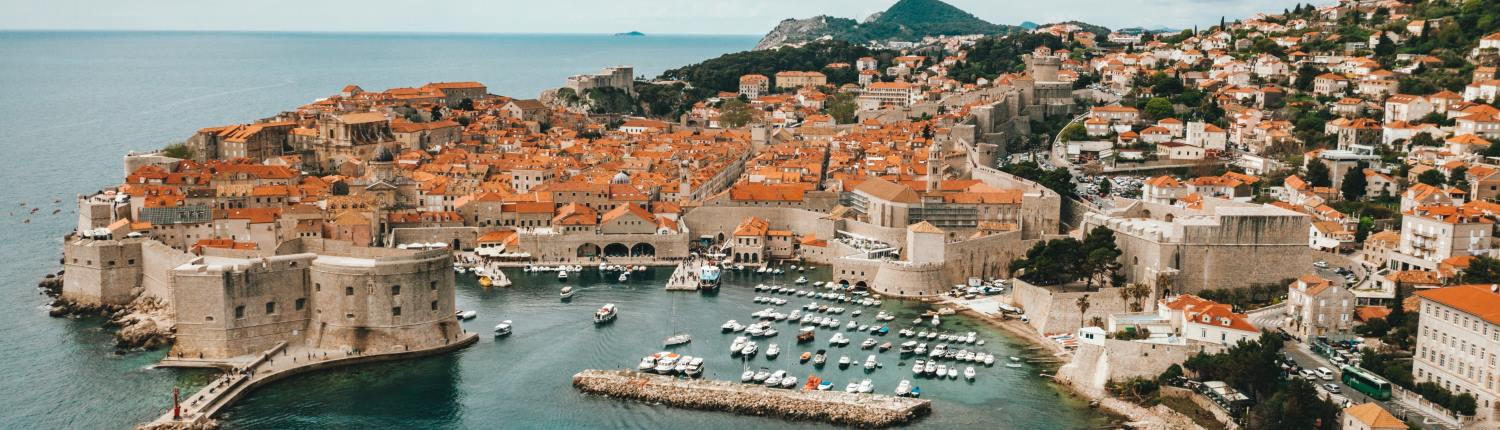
column 1305, row 364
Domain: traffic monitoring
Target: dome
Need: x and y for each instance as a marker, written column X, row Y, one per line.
column 620, row 178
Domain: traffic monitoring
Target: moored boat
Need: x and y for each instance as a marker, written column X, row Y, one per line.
column 503, row 329
column 678, row 339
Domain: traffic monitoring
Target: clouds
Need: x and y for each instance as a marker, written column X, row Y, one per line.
column 576, row 16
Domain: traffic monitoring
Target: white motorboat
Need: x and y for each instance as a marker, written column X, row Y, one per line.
column 969, row 373
column 606, row 313
column 503, row 329
column 648, row 363
column 853, row 387
column 866, row 386
column 870, row 363
column 936, row 321
column 867, row 344
column 788, row 381
column 747, row 376
column 731, row 325
column 466, row 315
column 942, row 370
column 918, row 367
column 953, row 372
column 903, row 389
column 749, row 350
column 738, row 345
column 1013, row 365
column 844, row 361
column 773, row 351
column 989, row 359
column 931, row 368
column 566, row 293
column 762, row 375
column 801, row 280
column 775, row 378
column 625, row 277
column 562, row 275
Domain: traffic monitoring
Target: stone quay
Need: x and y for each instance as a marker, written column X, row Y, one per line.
column 839, row 408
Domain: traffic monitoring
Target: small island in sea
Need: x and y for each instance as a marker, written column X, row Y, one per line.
column 631, row 33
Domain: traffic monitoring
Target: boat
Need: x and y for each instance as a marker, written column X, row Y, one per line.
column 866, row 386
column 775, row 378
column 678, row 339
column 762, row 375
column 800, row 280
column 916, row 391
column 908, row 346
column 918, row 367
column 773, row 351
column 485, row 281
column 1013, row 365
column 738, row 345
column 805, row 335
column 942, row 369
column 844, row 362
column 953, row 372
column 885, row 347
column 503, row 329
column 708, row 277
column 805, row 356
column 648, row 363
column 883, row 330
column 466, row 315
column 624, row 277
column 820, row 358
column 606, row 313
column 562, row 275
column 566, row 293
column 682, row 364
column 930, row 368
column 870, row 363
column 935, row 321
column 969, row 373
column 749, row 350
column 825, row 386
column 788, row 381
column 989, row 359
column 903, row 389
column 867, row 344
column 747, row 376
column 853, row 387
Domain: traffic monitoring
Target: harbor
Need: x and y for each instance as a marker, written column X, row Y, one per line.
column 845, row 409
column 552, row 340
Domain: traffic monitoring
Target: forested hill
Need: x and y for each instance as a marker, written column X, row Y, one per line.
column 907, row 20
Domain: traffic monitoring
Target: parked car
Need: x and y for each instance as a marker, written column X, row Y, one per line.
column 1332, row 388
column 1324, row 373
column 1309, row 374
column 1321, row 264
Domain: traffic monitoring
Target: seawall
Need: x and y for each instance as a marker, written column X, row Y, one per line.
column 839, row 408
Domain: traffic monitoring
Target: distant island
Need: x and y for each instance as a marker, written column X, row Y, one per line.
column 631, row 33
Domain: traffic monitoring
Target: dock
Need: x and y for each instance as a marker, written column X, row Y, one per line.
column 833, row 407
column 684, row 277
column 244, row 374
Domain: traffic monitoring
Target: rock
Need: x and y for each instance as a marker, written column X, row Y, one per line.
column 206, row 424
column 793, row 31
column 51, row 286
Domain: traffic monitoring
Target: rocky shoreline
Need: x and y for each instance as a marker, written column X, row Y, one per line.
column 144, row 324
column 855, row 410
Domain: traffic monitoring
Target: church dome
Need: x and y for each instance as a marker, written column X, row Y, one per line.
column 620, row 178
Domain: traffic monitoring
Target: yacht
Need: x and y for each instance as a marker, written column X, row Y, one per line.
column 605, row 314
column 773, row 351
column 801, row 280
column 853, row 387
column 738, row 345
column 844, row 362
column 566, row 293
column 866, row 386
column 762, row 375
column 562, row 275
column 867, row 344
column 885, row 347
column 820, row 358
column 870, row 363
column 678, row 339
column 918, row 367
column 904, row 388
column 625, row 277
column 466, row 315
column 969, row 373
column 747, row 376
column 503, row 329
column 749, row 350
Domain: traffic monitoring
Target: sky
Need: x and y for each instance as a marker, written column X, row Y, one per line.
column 743, row 17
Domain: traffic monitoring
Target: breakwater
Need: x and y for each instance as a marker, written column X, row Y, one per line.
column 848, row 409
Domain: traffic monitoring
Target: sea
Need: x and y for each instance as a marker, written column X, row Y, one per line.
column 73, row 103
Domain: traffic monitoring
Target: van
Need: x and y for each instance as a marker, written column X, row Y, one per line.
column 1309, row 374
column 1324, row 373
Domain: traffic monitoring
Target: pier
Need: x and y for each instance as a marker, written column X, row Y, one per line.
column 838, row 408
column 685, row 276
column 244, row 374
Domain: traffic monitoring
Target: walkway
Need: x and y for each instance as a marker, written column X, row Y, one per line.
column 245, row 373
column 685, row 277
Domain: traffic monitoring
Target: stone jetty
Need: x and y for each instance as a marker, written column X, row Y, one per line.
column 684, row 277
column 839, row 408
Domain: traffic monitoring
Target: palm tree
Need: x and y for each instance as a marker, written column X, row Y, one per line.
column 1083, row 308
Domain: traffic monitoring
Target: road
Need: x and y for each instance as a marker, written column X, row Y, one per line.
column 1304, row 357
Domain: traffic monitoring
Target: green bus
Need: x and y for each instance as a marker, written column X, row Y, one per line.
column 1366, row 382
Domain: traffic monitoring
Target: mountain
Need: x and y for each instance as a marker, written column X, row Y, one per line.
column 907, row 20
column 1029, row 25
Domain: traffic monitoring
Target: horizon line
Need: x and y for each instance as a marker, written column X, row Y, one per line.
column 388, row 32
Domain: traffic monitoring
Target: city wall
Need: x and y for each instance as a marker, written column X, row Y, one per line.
column 1051, row 311
column 1093, row 366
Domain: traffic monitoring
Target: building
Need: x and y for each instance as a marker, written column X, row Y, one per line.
column 1458, row 334
column 754, row 85
column 1370, row 416
column 796, row 79
column 879, row 95
column 1431, row 234
column 1319, row 307
column 619, row 77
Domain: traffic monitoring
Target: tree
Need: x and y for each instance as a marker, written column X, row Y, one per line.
column 1432, row 177
column 1083, row 308
column 1318, row 175
column 1076, row 131
column 1482, row 270
column 1105, row 187
column 842, row 108
column 735, row 113
column 1100, row 256
column 1459, row 178
column 1159, row 108
column 182, row 151
column 1354, row 183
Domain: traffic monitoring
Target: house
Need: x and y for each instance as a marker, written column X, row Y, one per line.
column 754, row 85
column 797, row 79
column 1464, row 318
column 1163, row 190
column 1330, row 236
column 1370, row 416
column 1330, row 84
column 1319, row 307
column 1431, row 234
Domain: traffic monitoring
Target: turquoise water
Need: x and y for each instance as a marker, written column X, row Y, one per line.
column 74, row 102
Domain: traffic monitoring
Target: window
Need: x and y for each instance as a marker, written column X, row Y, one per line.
column 434, row 305
column 209, row 318
column 349, row 316
column 348, row 291
column 301, row 303
column 432, row 285
column 396, row 311
column 239, row 312
column 395, row 290
column 317, row 288
column 270, row 308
